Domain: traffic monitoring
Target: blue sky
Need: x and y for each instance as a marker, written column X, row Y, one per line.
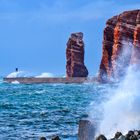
column 33, row 33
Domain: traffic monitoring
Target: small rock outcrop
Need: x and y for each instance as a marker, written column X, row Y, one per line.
column 56, row 138
column 43, row 138
column 75, row 56
column 101, row 137
column 131, row 135
column 121, row 45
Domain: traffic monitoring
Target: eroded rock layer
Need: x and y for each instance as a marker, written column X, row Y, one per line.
column 75, row 56
column 121, row 45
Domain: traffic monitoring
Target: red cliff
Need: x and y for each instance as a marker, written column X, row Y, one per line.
column 121, row 45
column 75, row 56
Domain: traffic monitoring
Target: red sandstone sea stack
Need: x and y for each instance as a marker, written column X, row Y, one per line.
column 75, row 56
column 121, row 45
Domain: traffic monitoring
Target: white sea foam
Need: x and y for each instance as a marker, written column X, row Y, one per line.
column 15, row 82
column 17, row 74
column 1, row 81
column 27, row 74
column 122, row 111
column 45, row 74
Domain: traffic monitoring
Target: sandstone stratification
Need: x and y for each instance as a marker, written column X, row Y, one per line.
column 121, row 45
column 75, row 56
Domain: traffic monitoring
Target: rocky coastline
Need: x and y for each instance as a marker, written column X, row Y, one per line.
column 121, row 45
column 131, row 135
column 122, row 33
column 121, row 49
column 87, row 130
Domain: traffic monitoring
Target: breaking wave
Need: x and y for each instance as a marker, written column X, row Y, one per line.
column 45, row 74
column 27, row 74
column 121, row 112
column 17, row 74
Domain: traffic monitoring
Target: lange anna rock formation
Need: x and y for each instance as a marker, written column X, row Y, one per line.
column 121, row 45
column 75, row 56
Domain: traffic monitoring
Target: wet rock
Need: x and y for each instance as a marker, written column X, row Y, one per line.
column 121, row 45
column 121, row 137
column 127, row 136
column 138, row 137
column 86, row 130
column 130, row 132
column 75, row 56
column 117, row 135
column 43, row 138
column 133, row 137
column 56, row 138
column 136, row 132
column 101, row 137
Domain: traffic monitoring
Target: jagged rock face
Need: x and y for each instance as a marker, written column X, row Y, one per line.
column 121, row 45
column 75, row 56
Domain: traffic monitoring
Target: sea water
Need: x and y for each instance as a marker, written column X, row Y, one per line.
column 29, row 111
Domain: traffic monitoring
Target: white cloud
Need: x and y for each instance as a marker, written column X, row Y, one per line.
column 62, row 11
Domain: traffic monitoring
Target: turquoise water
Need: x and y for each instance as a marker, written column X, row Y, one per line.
column 32, row 111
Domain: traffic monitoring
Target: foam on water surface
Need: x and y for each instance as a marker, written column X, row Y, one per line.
column 32, row 111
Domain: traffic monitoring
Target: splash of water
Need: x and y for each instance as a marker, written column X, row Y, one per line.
column 28, row 74
column 15, row 82
column 17, row 74
column 122, row 110
column 45, row 74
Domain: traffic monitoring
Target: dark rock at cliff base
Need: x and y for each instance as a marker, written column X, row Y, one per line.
column 86, row 130
column 75, row 56
column 121, row 45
